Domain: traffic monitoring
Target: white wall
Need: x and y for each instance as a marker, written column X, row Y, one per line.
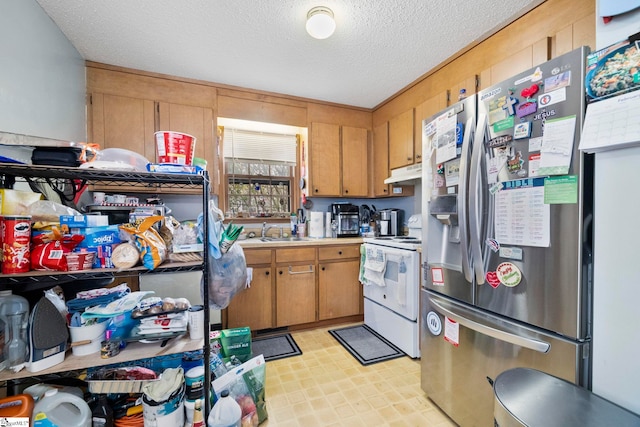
column 616, row 311
column 42, row 76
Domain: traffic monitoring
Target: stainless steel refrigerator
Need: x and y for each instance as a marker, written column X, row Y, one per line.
column 508, row 240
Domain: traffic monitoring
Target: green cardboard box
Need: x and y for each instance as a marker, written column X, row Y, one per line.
column 232, row 342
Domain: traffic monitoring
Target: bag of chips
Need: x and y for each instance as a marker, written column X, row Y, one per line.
column 153, row 250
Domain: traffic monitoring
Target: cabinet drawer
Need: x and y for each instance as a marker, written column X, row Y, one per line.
column 295, row 255
column 339, row 252
column 257, row 256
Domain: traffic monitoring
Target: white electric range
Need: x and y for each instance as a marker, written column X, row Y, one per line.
column 392, row 289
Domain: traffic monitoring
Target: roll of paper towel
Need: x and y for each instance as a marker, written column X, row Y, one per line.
column 316, row 224
column 327, row 224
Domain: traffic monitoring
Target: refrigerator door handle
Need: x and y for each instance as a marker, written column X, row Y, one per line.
column 463, row 204
column 474, row 199
column 532, row 344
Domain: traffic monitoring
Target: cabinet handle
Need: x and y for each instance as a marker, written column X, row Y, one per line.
column 266, row 273
column 384, row 191
column 346, row 191
column 322, row 268
column 418, row 156
column 280, row 272
column 409, row 158
column 339, row 252
column 316, row 190
column 310, row 270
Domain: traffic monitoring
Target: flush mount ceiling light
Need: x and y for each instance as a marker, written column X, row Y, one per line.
column 320, row 23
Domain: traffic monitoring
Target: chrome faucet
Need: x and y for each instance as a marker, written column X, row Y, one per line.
column 265, row 229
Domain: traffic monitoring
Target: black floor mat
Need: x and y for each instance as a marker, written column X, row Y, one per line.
column 276, row 347
column 365, row 344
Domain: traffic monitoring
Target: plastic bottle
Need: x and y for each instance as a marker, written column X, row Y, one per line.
column 102, row 414
column 60, row 409
column 198, row 417
column 226, row 412
column 462, row 95
column 294, row 224
column 14, row 312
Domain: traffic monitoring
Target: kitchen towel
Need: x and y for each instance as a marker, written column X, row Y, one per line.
column 316, row 225
column 375, row 265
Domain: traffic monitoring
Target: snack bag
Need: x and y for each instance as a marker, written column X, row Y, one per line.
column 153, row 250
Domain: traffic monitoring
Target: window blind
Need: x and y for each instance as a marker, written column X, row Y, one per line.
column 251, row 145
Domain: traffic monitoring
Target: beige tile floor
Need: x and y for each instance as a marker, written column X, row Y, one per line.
column 326, row 386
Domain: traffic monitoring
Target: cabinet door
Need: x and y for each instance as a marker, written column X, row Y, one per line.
column 196, row 121
column 355, row 170
column 295, row 294
column 401, row 140
column 123, row 122
column 340, row 291
column 380, row 159
column 324, row 160
column 253, row 307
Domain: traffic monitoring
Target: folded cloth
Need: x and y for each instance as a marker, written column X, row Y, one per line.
column 170, row 381
column 375, row 265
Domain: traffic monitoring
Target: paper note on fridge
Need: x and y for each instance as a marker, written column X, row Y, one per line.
column 445, row 136
column 557, row 146
column 611, row 124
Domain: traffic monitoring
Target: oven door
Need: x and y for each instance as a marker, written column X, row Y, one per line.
column 400, row 291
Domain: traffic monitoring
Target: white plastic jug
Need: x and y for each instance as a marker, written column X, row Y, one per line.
column 225, row 413
column 60, row 409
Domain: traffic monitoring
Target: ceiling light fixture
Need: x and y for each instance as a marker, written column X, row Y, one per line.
column 320, row 22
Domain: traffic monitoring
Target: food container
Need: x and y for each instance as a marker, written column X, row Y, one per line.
column 175, row 147
column 77, row 261
column 15, row 235
column 92, row 337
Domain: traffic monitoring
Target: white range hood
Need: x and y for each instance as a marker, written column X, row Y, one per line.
column 407, row 173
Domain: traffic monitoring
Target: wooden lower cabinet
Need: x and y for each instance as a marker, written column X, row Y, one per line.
column 295, row 286
column 253, row 307
column 340, row 292
column 295, row 294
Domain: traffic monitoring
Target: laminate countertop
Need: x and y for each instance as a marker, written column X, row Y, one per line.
column 257, row 242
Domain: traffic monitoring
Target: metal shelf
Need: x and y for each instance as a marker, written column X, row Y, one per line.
column 97, row 177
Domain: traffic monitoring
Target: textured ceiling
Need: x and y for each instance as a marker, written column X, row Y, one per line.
column 378, row 48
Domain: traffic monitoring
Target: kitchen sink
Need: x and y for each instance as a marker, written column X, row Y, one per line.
column 283, row 239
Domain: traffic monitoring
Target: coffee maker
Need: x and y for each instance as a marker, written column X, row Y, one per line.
column 346, row 216
column 389, row 222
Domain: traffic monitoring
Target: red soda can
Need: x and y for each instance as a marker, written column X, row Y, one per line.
column 16, row 238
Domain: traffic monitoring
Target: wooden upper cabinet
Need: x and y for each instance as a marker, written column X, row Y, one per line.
column 380, row 159
column 338, row 164
column 196, row 121
column 122, row 122
column 324, row 160
column 425, row 110
column 355, row 170
column 401, row 145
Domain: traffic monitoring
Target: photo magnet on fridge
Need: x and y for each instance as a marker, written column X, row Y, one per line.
column 522, row 130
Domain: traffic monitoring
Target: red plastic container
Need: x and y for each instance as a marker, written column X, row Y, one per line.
column 15, row 235
column 175, row 147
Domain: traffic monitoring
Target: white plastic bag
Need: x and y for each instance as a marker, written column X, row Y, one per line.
column 227, row 276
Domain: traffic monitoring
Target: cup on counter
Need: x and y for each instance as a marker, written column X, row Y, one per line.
column 98, row 197
column 302, row 229
column 196, row 322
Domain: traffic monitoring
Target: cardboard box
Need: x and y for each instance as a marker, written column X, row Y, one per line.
column 232, row 342
column 15, row 202
column 102, row 241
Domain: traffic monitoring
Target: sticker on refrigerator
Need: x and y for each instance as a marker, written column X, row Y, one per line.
column 509, row 274
column 503, row 124
column 499, row 141
column 527, row 108
column 493, row 244
column 511, row 253
column 535, row 144
column 434, row 323
column 522, row 130
column 561, row 190
column 554, row 97
column 510, row 104
column 437, row 278
column 514, row 165
column 492, row 279
column 496, row 112
column 534, row 164
column 451, row 331
column 558, row 81
column 452, row 172
column 528, row 92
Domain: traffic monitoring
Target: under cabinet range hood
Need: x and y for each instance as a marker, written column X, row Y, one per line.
column 407, row 173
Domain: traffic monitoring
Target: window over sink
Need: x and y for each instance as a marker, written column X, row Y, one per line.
column 260, row 169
